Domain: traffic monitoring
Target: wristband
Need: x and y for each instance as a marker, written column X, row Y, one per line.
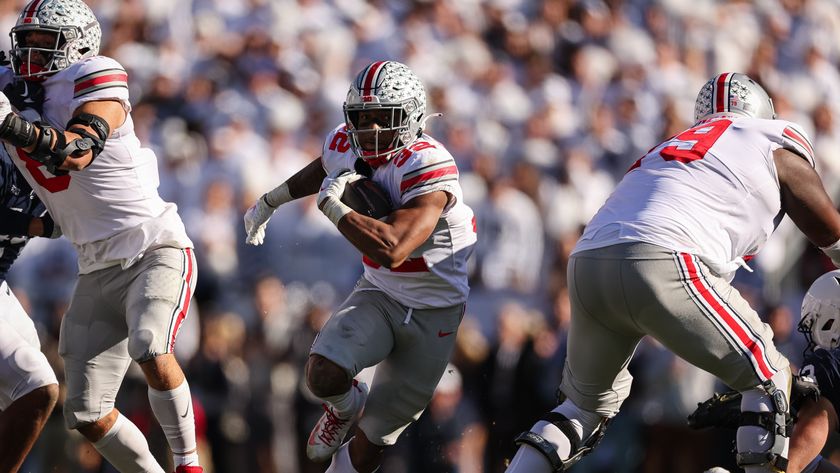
column 833, row 252
column 278, row 196
column 335, row 210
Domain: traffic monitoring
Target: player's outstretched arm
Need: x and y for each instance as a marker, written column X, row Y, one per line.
column 814, row 421
column 305, row 182
column 70, row 150
column 804, row 198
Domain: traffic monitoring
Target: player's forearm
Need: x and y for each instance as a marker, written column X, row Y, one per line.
column 376, row 240
column 809, row 434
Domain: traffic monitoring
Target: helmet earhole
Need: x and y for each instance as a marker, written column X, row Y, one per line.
column 828, row 324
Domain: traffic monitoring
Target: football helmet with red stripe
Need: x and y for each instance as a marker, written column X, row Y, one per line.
column 392, row 89
column 77, row 36
column 820, row 322
column 732, row 92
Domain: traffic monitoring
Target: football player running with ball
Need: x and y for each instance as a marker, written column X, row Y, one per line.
column 73, row 139
column 405, row 310
column 657, row 259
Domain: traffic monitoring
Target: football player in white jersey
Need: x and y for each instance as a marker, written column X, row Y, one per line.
column 405, row 310
column 75, row 144
column 657, row 259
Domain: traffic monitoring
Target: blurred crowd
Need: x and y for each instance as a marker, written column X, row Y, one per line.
column 545, row 104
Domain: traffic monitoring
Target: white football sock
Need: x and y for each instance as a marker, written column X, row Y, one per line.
column 173, row 410
column 343, row 403
column 125, row 447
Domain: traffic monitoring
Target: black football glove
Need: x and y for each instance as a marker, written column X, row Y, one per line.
column 25, row 94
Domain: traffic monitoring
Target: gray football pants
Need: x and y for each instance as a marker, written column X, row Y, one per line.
column 623, row 292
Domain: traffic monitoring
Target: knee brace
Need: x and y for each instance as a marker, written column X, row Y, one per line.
column 767, row 408
column 578, row 447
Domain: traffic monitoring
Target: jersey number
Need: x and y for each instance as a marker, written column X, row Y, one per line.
column 694, row 143
column 340, row 143
column 53, row 184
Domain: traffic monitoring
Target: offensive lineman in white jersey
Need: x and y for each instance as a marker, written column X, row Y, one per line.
column 657, row 259
column 77, row 148
column 405, row 310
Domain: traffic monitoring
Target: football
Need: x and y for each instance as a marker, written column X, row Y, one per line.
column 367, row 198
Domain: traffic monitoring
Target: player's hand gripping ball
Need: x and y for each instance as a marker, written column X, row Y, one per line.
column 367, row 198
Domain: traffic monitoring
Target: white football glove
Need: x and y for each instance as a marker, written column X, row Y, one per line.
column 332, row 188
column 256, row 218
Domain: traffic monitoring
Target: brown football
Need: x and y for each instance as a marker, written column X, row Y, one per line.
column 367, row 198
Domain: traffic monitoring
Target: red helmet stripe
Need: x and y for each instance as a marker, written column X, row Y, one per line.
column 31, row 9
column 370, row 77
column 722, row 92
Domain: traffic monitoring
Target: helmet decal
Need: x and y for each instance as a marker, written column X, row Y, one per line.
column 732, row 92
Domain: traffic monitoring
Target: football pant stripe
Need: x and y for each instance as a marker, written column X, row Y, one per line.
column 188, row 275
column 724, row 317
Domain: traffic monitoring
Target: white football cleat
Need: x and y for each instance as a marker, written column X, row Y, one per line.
column 329, row 432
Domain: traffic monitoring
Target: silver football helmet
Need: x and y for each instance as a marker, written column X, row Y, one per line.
column 820, row 321
column 386, row 85
column 732, row 92
column 77, row 36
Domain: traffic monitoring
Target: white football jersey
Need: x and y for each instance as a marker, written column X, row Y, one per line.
column 711, row 191
column 435, row 274
column 111, row 210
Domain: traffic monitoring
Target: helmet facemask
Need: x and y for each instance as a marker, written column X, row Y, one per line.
column 55, row 57
column 393, row 131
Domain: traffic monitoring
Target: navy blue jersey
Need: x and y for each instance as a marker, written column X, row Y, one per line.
column 824, row 367
column 16, row 196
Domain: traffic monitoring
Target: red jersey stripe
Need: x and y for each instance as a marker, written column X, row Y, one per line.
column 413, row 265
column 795, row 136
column 407, row 183
column 82, row 86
